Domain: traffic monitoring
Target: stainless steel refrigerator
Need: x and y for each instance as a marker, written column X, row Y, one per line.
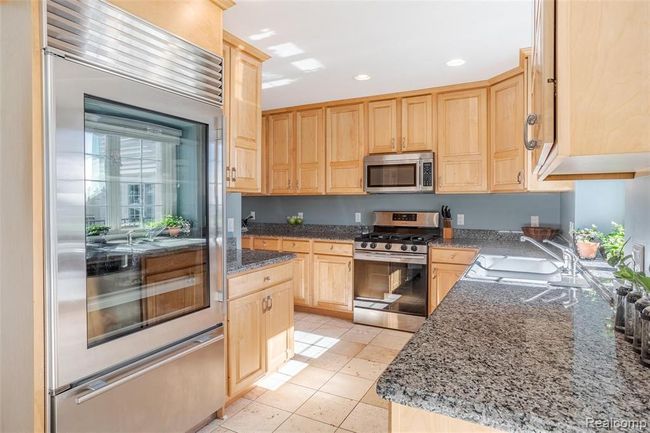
column 134, row 211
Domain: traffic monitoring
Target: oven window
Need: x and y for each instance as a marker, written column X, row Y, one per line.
column 393, row 287
column 146, row 218
column 401, row 175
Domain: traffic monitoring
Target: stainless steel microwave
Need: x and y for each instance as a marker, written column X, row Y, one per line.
column 406, row 172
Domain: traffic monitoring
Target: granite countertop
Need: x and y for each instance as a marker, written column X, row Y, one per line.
column 497, row 355
column 312, row 231
column 246, row 260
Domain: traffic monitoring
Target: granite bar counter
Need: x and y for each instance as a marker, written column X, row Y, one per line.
column 515, row 358
column 312, row 231
column 247, row 260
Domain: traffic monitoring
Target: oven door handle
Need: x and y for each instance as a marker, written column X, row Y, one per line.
column 391, row 258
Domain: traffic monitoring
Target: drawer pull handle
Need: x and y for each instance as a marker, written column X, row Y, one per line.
column 331, row 247
column 267, row 278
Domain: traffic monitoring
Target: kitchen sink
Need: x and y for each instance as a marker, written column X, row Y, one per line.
column 497, row 268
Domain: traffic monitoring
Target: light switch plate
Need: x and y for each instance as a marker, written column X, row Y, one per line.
column 460, row 219
column 357, row 217
column 231, row 225
column 300, row 215
column 534, row 220
column 252, row 214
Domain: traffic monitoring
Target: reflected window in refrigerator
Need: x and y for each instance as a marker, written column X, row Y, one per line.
column 146, row 218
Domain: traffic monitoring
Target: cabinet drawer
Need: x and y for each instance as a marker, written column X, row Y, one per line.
column 296, row 245
column 244, row 284
column 271, row 244
column 463, row 256
column 337, row 249
column 247, row 242
column 172, row 261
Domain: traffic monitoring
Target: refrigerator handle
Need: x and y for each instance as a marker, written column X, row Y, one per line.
column 100, row 386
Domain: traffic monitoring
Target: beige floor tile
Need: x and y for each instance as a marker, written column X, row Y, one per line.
column 372, row 398
column 306, row 326
column 327, row 330
column 330, row 361
column 360, row 334
column 299, row 315
column 327, row 408
column 391, row 339
column 347, row 386
column 348, row 348
column 288, row 397
column 301, row 424
column 340, row 430
column 315, row 318
column 370, row 329
column 236, row 406
column 381, row 354
column 367, row 419
column 254, row 393
column 257, row 418
column 312, row 377
column 211, row 427
column 363, row 368
column 339, row 323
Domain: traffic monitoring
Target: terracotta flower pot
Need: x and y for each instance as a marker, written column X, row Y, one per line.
column 174, row 231
column 587, row 250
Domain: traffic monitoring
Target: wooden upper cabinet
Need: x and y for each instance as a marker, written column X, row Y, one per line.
column 382, row 126
column 462, row 141
column 507, row 152
column 280, row 153
column 345, row 149
column 416, row 131
column 310, row 152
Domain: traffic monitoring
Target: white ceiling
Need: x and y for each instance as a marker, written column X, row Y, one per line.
column 401, row 44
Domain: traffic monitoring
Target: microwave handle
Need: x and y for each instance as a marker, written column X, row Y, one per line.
column 419, row 175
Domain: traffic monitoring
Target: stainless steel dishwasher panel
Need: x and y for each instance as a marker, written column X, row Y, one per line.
column 169, row 392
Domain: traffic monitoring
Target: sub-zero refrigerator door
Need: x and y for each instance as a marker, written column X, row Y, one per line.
column 135, row 220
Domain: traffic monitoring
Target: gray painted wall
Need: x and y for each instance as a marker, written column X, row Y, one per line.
column 567, row 210
column 596, row 202
column 233, row 210
column 482, row 211
column 637, row 214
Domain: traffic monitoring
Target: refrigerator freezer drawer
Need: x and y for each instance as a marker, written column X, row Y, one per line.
column 172, row 392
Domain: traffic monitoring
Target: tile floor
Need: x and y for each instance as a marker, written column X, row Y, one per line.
column 328, row 386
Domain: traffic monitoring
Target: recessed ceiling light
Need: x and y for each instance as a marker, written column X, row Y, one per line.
column 277, row 83
column 362, row 77
column 263, row 34
column 308, row 65
column 456, row 62
column 286, row 50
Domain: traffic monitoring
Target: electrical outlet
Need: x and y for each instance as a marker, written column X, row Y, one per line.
column 357, row 217
column 300, row 215
column 460, row 219
column 231, row 225
column 534, row 220
column 572, row 228
column 252, row 214
column 638, row 255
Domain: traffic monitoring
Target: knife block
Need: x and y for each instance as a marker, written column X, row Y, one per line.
column 447, row 230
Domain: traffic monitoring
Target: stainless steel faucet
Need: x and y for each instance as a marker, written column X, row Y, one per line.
column 569, row 258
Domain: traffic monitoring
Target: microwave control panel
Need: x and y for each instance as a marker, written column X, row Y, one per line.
column 427, row 174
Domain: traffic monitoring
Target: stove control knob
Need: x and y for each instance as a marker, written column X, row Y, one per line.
column 404, row 247
column 388, row 246
column 364, row 244
column 414, row 248
column 373, row 245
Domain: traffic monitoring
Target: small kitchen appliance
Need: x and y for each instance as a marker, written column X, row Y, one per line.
column 399, row 173
column 391, row 284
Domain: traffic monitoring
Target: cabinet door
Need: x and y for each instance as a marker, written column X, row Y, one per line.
column 333, row 280
column 302, row 279
column 345, row 149
column 280, row 149
column 416, row 128
column 246, row 124
column 246, row 342
column 462, row 141
column 310, row 152
column 382, row 126
column 279, row 324
column 446, row 276
column 506, row 152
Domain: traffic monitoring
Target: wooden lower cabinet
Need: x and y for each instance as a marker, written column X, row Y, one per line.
column 446, row 267
column 333, row 282
column 303, row 279
column 260, row 327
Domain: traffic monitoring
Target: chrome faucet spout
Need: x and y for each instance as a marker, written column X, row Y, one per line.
column 540, row 246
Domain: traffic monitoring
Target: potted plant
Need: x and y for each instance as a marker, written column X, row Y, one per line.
column 612, row 244
column 588, row 241
column 97, row 230
column 174, row 224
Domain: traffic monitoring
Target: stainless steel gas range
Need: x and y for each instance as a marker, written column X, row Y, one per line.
column 391, row 283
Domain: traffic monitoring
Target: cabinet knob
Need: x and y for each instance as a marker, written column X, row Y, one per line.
column 234, row 174
column 227, row 174
column 349, row 266
column 403, row 143
column 519, row 177
column 392, row 143
column 529, row 121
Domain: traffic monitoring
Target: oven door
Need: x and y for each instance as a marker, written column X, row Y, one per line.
column 391, row 283
column 135, row 209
